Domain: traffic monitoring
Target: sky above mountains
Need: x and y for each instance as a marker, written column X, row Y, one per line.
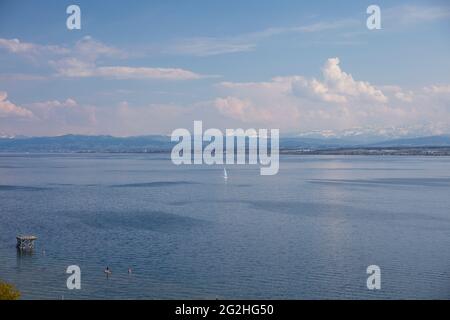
column 140, row 68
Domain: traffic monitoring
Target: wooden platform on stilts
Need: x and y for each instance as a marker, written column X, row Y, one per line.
column 25, row 242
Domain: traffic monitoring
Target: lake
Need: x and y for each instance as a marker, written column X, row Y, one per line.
column 308, row 232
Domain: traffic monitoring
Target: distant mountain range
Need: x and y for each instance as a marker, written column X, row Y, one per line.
column 431, row 141
column 374, row 134
column 81, row 143
column 160, row 143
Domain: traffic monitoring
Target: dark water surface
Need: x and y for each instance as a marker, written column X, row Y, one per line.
column 308, row 232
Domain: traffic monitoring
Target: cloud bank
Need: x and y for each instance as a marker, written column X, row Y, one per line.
column 336, row 101
column 81, row 61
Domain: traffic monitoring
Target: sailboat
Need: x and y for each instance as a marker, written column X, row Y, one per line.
column 225, row 175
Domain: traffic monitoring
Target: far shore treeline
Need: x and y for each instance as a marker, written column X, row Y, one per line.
column 431, row 145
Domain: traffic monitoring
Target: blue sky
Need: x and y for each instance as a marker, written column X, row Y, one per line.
column 150, row 67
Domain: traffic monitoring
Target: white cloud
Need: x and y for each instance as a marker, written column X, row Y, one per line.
column 413, row 14
column 209, row 46
column 75, row 68
column 337, row 86
column 47, row 105
column 146, row 73
column 90, row 48
column 314, row 89
column 240, row 109
column 15, row 46
column 404, row 96
column 87, row 47
column 342, row 83
column 26, row 48
column 9, row 109
column 398, row 93
column 258, row 103
column 81, row 60
column 335, row 102
column 437, row 89
column 54, row 117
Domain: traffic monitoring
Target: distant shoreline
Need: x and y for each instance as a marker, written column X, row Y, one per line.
column 375, row 151
column 363, row 151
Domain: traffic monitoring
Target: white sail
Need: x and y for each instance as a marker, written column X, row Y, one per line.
column 225, row 175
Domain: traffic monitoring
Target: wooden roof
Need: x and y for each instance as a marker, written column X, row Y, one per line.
column 26, row 238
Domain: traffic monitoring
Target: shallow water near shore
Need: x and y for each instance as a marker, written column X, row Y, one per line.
column 308, row 232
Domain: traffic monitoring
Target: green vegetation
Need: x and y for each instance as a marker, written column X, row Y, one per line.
column 8, row 291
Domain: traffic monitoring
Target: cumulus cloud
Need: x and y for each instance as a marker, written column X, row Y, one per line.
column 336, row 87
column 343, row 83
column 257, row 103
column 48, row 105
column 437, row 89
column 293, row 95
column 9, row 109
column 398, row 93
column 336, row 101
column 404, row 96
column 68, row 108
column 52, row 117
column 314, row 89
column 239, row 109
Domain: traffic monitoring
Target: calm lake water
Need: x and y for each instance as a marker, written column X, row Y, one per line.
column 308, row 232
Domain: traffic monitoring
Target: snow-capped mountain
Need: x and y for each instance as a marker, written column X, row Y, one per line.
column 374, row 134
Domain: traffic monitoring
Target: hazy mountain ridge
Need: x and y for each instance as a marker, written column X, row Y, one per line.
column 160, row 143
column 430, row 141
column 83, row 143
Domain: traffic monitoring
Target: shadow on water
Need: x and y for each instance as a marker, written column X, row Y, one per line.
column 423, row 182
column 149, row 220
column 20, row 188
column 24, row 259
column 155, row 184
